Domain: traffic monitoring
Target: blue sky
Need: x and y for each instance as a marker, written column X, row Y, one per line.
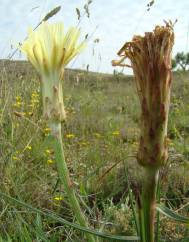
column 112, row 21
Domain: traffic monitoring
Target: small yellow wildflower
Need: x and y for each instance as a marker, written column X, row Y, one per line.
column 59, row 198
column 18, row 98
column 30, row 113
column 33, row 101
column 48, row 151
column 50, row 161
column 47, row 131
column 70, row 136
column 18, row 104
column 28, row 147
column 34, row 94
column 116, row 133
column 15, row 158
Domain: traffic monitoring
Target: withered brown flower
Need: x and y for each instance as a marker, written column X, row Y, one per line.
column 150, row 57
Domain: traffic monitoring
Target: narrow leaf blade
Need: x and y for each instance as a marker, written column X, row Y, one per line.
column 171, row 214
column 73, row 225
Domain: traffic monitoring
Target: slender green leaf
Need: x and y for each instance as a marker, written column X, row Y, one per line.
column 157, row 234
column 39, row 229
column 132, row 201
column 171, row 214
column 67, row 223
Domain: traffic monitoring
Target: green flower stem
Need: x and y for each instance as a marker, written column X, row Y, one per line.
column 65, row 177
column 141, row 224
column 157, row 239
column 148, row 202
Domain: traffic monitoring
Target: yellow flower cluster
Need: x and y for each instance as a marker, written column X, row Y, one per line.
column 34, row 100
column 26, row 109
column 50, row 161
column 69, row 136
column 18, row 102
column 28, row 147
column 16, row 156
column 49, row 154
column 116, row 133
column 58, row 198
column 46, row 131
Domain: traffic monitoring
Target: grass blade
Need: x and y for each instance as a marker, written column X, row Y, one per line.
column 67, row 223
column 171, row 214
column 132, row 201
column 158, row 213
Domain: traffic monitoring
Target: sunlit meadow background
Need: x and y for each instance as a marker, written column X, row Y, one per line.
column 100, row 137
column 100, row 140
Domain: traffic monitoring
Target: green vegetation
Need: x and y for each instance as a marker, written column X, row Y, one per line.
column 100, row 136
column 181, row 61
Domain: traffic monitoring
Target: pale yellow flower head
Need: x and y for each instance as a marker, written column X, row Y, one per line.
column 49, row 48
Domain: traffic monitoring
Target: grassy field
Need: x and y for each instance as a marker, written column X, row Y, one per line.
column 101, row 136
